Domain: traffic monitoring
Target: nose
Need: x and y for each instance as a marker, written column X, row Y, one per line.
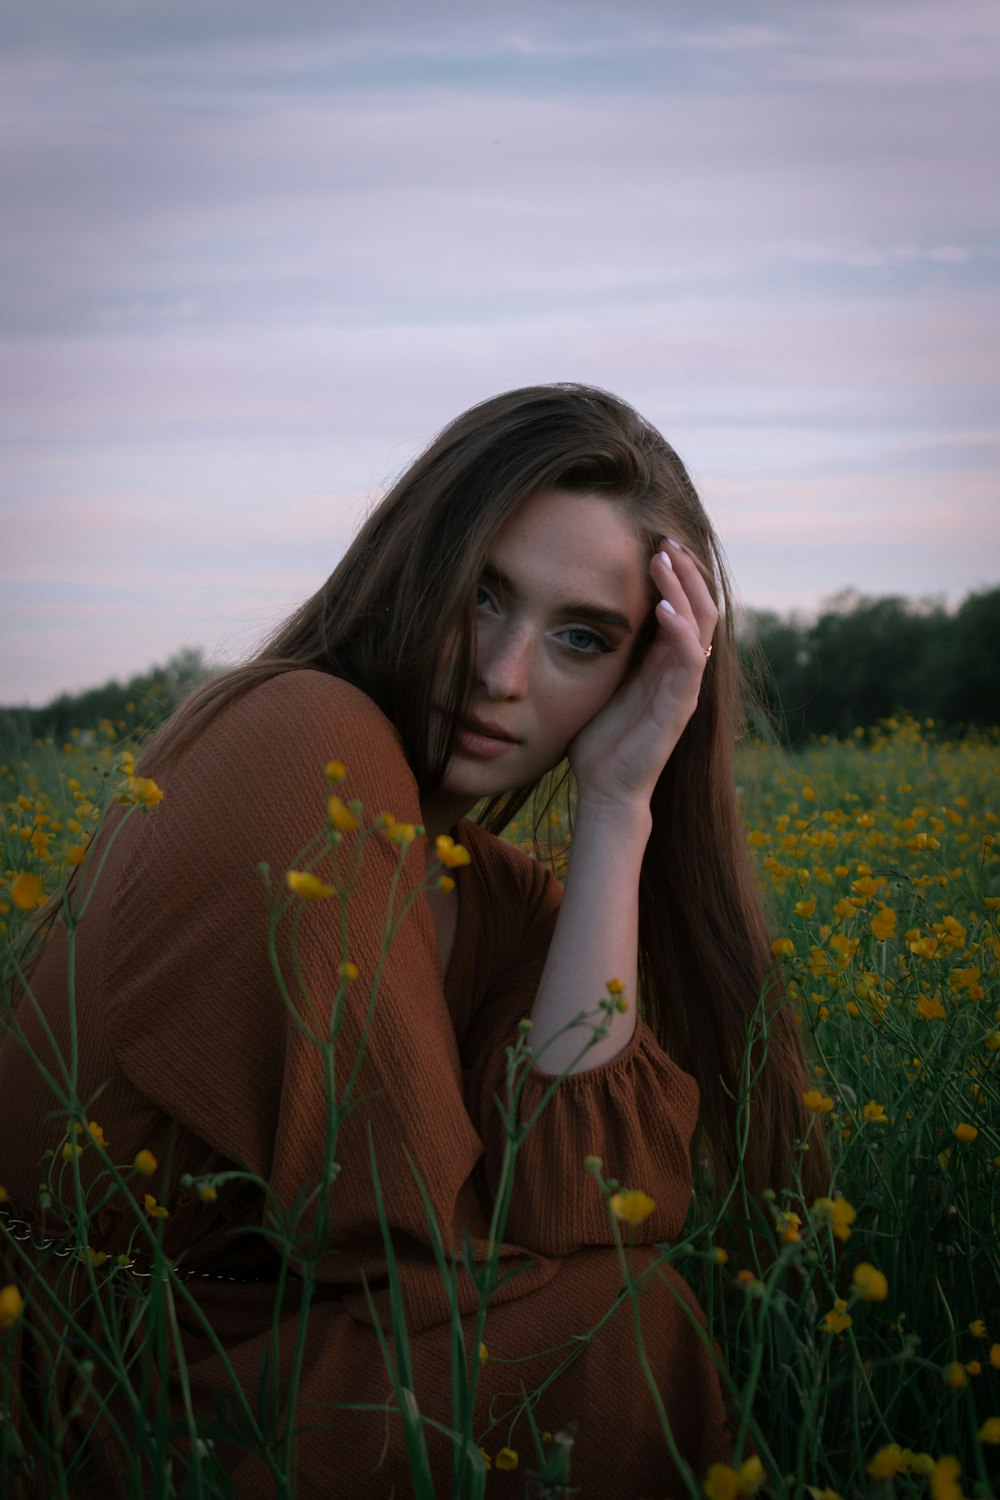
column 503, row 662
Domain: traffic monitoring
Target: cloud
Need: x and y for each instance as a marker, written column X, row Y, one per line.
column 256, row 257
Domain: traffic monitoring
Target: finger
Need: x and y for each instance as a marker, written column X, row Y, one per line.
column 681, row 636
column 671, row 587
column 703, row 607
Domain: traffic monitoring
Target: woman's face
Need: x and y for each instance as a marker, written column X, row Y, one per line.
column 562, row 600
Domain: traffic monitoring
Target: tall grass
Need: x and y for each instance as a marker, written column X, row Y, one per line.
column 861, row 1334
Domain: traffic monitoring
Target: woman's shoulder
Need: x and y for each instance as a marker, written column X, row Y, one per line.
column 311, row 695
column 310, row 713
column 273, row 742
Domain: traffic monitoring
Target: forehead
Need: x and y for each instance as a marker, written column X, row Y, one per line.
column 576, row 547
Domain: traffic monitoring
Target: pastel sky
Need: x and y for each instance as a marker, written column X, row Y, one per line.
column 255, row 254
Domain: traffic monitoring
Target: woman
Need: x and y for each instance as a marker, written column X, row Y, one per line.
column 541, row 584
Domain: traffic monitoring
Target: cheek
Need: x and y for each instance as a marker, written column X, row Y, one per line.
column 579, row 703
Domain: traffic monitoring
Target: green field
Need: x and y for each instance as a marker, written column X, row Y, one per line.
column 863, row 1344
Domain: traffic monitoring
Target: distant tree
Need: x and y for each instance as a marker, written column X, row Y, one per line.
column 138, row 704
column 969, row 679
column 866, row 659
column 783, row 670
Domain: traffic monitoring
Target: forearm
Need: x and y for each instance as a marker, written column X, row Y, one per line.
column 596, row 938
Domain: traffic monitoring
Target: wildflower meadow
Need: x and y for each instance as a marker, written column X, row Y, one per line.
column 860, row 1332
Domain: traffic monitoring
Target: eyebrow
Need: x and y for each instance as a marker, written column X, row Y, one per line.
column 595, row 614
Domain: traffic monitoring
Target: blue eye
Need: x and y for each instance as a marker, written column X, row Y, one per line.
column 586, row 642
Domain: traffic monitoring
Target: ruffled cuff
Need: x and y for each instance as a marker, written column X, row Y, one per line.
column 636, row 1112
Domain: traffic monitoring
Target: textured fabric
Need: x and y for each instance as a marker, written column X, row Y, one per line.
column 188, row 1049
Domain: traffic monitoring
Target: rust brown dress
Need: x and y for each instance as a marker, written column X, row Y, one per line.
column 187, row 1049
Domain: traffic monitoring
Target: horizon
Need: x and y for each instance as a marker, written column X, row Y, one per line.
column 838, row 603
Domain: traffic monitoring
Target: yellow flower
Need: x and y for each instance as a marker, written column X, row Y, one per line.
column 75, row 855
column 69, row 1151
column 96, row 1257
column 805, row 908
column 633, row 1207
column 348, row 971
column 722, row 1483
column 307, row 885
column 990, row 1430
column 790, row 1228
column 929, row 1009
column 11, row 1306
column 486, row 1458
column 751, row 1476
column 782, row 947
column 875, row 1113
column 445, row 884
column 944, row 1479
column 506, row 1459
column 154, row 1209
column 977, row 1328
column 887, row 1462
column 26, row 892
column 719, row 1255
column 965, row 1132
column 995, row 1356
column 838, row 1319
column 820, row 1104
column 207, row 1192
column 335, row 771
column 140, row 791
column 146, row 1163
column 615, row 987
column 884, row 924
column 955, row 1376
column 450, row 854
column 40, row 843
column 839, row 1213
column 97, row 1134
column 483, row 1354
column 341, row 816
column 973, row 1367
column 870, row 1285
column 4, row 1195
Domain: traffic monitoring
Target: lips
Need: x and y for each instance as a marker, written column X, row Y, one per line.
column 488, row 728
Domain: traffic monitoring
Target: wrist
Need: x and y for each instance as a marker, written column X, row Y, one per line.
column 625, row 821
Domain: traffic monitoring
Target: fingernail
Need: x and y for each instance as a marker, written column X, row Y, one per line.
column 673, row 542
column 666, row 604
column 666, row 561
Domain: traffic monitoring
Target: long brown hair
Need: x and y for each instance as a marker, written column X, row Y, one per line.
column 401, row 602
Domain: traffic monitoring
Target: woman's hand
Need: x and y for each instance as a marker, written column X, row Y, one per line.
column 617, row 757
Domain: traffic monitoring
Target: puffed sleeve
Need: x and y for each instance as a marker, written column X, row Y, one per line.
column 637, row 1112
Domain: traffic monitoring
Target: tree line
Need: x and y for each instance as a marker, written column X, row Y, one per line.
column 862, row 660
column 867, row 659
